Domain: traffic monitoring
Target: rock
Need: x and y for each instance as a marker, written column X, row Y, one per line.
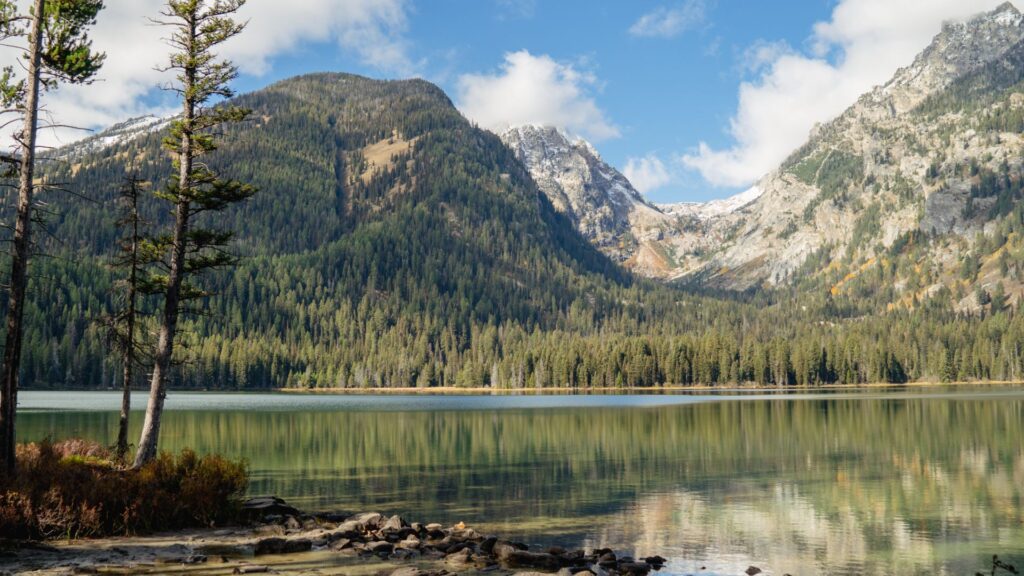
column 655, row 560
column 347, row 529
column 634, row 568
column 251, row 569
column 290, row 523
column 502, row 550
column 607, row 559
column 270, row 529
column 394, row 524
column 434, row 527
column 460, row 560
column 370, row 520
column 282, row 546
column 341, row 544
column 524, row 559
column 487, row 545
column 268, row 505
column 225, row 549
column 751, row 571
column 410, row 543
column 381, row 547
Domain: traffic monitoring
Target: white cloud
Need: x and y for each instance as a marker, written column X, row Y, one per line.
column 869, row 40
column 371, row 30
column 532, row 89
column 647, row 173
column 665, row 22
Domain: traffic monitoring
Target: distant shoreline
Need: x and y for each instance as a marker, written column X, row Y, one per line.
column 559, row 391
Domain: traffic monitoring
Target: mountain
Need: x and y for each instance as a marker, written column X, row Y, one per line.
column 911, row 192
column 607, row 210
column 384, row 222
column 393, row 243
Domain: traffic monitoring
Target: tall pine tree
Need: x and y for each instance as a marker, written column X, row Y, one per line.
column 58, row 51
column 198, row 27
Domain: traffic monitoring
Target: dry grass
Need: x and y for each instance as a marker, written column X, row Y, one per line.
column 75, row 489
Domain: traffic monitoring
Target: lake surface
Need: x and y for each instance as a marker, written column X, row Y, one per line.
column 848, row 483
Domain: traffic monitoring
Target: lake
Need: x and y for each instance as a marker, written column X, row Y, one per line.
column 918, row 481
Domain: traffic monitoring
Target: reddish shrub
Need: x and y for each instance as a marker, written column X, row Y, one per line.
column 74, row 489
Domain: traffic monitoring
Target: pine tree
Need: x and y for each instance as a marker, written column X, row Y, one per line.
column 198, row 27
column 132, row 257
column 58, row 51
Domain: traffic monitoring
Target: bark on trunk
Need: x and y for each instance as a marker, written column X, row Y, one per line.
column 165, row 342
column 129, row 344
column 20, row 250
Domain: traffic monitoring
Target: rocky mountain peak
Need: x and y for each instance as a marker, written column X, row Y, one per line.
column 601, row 202
column 960, row 48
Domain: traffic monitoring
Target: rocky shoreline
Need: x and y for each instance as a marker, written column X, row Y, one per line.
column 284, row 540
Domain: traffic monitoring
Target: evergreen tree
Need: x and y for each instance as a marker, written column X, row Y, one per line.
column 58, row 51
column 198, row 27
column 121, row 325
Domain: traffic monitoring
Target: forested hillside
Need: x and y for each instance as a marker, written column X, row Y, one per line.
column 392, row 243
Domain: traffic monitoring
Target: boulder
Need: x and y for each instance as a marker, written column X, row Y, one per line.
column 370, row 520
column 394, row 524
column 261, row 506
column 380, row 548
column 634, row 568
column 460, row 560
column 655, row 560
column 282, row 546
column 410, row 543
column 753, row 570
column 502, row 550
column 524, row 559
column 486, row 546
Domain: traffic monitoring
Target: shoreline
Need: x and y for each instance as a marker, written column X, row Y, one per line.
column 647, row 390
column 284, row 540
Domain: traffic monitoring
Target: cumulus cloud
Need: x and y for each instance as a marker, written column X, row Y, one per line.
column 371, row 30
column 861, row 46
column 647, row 173
column 532, row 89
column 666, row 22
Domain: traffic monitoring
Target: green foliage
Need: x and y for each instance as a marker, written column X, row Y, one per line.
column 73, row 489
column 67, row 51
column 432, row 269
column 839, row 171
column 807, row 169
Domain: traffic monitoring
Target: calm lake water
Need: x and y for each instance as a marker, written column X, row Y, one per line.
column 910, row 482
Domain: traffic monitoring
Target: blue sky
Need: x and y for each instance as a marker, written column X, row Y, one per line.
column 664, row 94
column 692, row 99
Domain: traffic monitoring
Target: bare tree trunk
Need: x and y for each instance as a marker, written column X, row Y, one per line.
column 20, row 249
column 165, row 342
column 129, row 344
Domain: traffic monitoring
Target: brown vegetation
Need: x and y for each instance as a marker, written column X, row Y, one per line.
column 75, row 489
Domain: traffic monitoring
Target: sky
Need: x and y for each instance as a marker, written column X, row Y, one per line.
column 691, row 99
